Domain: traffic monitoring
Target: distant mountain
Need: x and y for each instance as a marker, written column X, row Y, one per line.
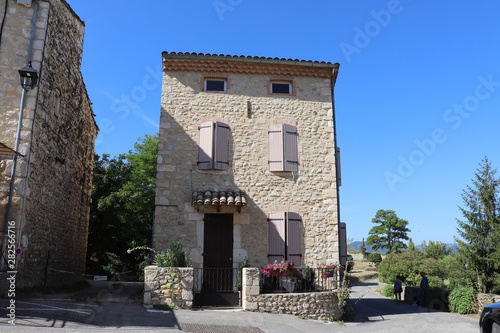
column 357, row 246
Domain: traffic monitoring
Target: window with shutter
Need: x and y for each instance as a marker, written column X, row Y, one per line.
column 284, row 237
column 214, row 146
column 338, row 170
column 283, row 148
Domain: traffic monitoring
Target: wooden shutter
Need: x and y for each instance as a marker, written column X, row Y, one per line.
column 276, row 147
column 221, row 146
column 276, row 242
column 338, row 170
column 293, row 238
column 290, row 151
column 343, row 243
column 205, row 155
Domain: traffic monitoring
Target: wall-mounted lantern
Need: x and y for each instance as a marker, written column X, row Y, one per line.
column 29, row 77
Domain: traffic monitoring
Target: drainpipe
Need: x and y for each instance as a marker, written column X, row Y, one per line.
column 16, row 148
column 335, row 73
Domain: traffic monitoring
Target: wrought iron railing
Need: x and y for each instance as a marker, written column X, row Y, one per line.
column 304, row 279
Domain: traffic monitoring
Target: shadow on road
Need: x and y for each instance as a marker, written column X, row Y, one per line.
column 369, row 305
column 111, row 306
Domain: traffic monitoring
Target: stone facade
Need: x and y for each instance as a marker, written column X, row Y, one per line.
column 248, row 107
column 51, row 197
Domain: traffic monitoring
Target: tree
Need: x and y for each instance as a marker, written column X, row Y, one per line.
column 122, row 210
column 362, row 248
column 389, row 232
column 437, row 250
column 412, row 247
column 479, row 229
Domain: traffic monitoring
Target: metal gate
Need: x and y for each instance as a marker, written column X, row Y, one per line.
column 217, row 286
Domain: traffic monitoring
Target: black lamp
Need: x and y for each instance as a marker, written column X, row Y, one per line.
column 29, row 77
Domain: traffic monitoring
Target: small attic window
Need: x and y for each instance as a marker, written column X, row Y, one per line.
column 215, row 85
column 281, row 87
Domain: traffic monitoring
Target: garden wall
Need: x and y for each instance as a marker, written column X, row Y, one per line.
column 173, row 286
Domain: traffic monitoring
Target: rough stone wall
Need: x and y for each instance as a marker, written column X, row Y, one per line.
column 170, row 286
column 311, row 191
column 53, row 183
column 173, row 286
column 314, row 305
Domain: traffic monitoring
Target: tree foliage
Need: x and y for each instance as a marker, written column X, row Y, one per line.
column 436, row 250
column 122, row 209
column 389, row 233
column 478, row 245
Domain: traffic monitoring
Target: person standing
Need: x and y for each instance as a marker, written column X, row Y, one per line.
column 424, row 285
column 398, row 288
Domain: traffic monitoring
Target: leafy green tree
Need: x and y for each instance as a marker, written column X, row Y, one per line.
column 408, row 265
column 122, row 209
column 389, row 232
column 412, row 247
column 479, row 229
column 437, row 250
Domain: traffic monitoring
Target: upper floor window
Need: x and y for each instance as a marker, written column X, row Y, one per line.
column 214, row 146
column 284, row 237
column 283, row 148
column 281, row 87
column 215, row 85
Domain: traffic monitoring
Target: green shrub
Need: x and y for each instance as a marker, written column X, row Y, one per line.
column 375, row 258
column 388, row 291
column 350, row 265
column 462, row 300
column 175, row 256
column 244, row 263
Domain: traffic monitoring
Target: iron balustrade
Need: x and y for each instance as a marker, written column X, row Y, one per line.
column 305, row 279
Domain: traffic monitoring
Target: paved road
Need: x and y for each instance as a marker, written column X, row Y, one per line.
column 115, row 311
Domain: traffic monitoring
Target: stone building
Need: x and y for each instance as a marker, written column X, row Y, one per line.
column 248, row 161
column 47, row 132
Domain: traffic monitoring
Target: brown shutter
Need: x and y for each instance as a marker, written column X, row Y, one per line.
column 276, row 147
column 343, row 243
column 291, row 155
column 221, row 146
column 338, row 170
column 205, row 155
column 276, row 242
column 293, row 238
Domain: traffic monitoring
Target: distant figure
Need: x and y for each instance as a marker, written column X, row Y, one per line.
column 424, row 285
column 398, row 288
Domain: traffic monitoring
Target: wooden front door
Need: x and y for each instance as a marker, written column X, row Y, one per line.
column 218, row 252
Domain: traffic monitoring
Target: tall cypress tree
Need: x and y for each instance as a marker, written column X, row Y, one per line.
column 479, row 228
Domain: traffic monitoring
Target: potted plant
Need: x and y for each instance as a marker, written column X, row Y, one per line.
column 285, row 272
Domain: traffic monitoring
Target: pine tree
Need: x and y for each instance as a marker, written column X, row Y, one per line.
column 389, row 233
column 479, row 229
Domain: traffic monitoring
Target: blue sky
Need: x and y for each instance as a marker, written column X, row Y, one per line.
column 417, row 97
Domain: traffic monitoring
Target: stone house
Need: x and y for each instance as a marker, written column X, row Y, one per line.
column 248, row 162
column 47, row 131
